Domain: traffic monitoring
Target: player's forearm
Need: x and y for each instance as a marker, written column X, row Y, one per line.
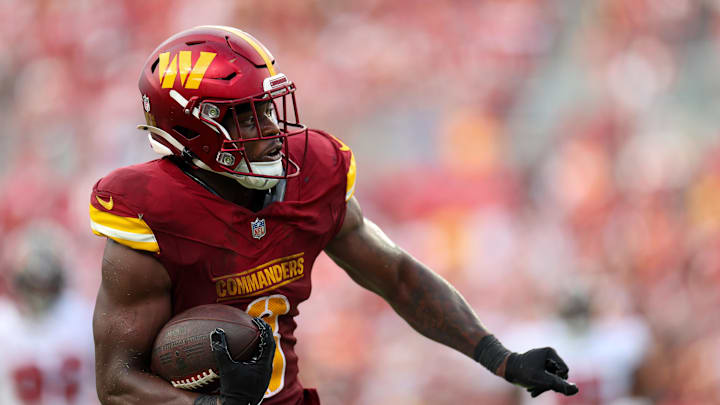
column 434, row 308
column 130, row 387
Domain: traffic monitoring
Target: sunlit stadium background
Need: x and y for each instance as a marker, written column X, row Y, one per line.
column 558, row 161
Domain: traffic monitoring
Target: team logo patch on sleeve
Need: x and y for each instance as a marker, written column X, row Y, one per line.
column 258, row 228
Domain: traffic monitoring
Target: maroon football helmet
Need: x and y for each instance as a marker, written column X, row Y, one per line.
column 196, row 77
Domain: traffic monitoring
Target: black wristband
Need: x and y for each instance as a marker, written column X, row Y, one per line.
column 513, row 364
column 490, row 353
column 206, row 400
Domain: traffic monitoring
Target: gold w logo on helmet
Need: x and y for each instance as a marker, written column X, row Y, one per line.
column 190, row 76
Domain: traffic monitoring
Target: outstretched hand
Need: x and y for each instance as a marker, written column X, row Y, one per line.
column 539, row 370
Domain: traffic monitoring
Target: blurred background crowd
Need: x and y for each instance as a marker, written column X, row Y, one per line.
column 557, row 161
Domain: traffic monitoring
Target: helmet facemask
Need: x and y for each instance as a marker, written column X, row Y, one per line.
column 279, row 106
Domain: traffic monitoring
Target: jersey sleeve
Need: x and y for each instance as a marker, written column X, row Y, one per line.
column 350, row 168
column 113, row 216
column 351, row 177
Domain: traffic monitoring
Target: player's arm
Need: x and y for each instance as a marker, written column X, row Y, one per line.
column 433, row 307
column 133, row 304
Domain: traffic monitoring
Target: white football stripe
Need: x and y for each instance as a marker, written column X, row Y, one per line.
column 350, row 192
column 115, row 233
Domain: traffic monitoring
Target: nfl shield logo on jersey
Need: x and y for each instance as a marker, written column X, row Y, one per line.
column 258, row 228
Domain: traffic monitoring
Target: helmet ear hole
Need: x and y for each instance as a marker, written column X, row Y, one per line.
column 154, row 65
column 185, row 132
column 229, row 76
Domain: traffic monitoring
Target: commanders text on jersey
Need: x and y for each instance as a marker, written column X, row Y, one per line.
column 260, row 279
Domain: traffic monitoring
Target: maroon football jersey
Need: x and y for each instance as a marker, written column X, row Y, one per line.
column 218, row 252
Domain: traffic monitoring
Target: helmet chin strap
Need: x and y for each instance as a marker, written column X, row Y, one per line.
column 274, row 168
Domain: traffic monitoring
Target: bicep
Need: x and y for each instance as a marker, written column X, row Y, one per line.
column 133, row 303
column 362, row 249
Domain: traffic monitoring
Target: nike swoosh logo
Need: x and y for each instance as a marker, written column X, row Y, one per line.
column 108, row 205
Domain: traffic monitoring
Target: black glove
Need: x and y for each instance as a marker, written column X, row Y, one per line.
column 539, row 370
column 243, row 383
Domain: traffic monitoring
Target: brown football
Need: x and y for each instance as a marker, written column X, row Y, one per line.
column 182, row 353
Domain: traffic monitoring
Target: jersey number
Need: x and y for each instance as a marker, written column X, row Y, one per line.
column 269, row 309
column 31, row 382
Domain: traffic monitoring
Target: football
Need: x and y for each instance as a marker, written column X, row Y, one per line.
column 182, row 353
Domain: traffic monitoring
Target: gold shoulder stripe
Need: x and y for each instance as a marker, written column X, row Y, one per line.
column 343, row 147
column 131, row 232
column 351, row 177
column 124, row 224
column 352, row 170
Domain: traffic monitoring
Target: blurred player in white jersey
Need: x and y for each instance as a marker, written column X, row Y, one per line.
column 605, row 351
column 46, row 351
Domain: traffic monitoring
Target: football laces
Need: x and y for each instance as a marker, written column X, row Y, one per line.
column 197, row 381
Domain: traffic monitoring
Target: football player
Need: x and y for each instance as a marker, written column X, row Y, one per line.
column 46, row 348
column 236, row 212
